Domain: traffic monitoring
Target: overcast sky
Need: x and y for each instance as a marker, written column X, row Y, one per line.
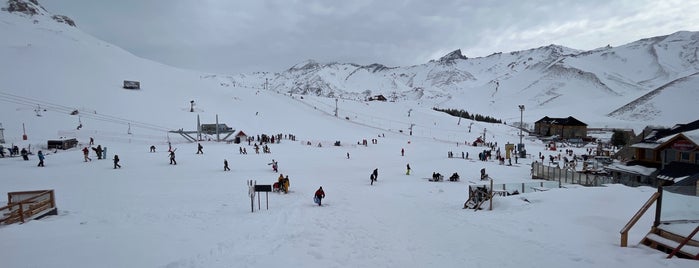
column 231, row 36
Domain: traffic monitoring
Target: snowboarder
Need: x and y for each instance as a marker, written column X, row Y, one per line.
column 319, row 195
column 199, row 149
column 98, row 151
column 172, row 158
column 104, row 153
column 376, row 174
column 92, row 141
column 372, row 178
column 408, row 171
column 347, row 155
column 41, row 158
column 152, row 148
column 86, row 152
column 225, row 165
column 402, row 152
column 116, row 162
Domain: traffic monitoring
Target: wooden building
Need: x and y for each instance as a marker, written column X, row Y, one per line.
column 132, row 84
column 681, row 147
column 673, row 153
column 62, row 144
column 564, row 128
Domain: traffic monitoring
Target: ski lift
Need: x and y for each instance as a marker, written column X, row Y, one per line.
column 38, row 110
column 129, row 130
column 74, row 112
column 80, row 124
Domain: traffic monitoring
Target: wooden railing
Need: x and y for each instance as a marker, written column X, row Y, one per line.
column 625, row 231
column 684, row 242
column 23, row 206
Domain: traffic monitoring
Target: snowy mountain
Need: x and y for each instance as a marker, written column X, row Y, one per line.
column 47, row 59
column 148, row 213
column 543, row 79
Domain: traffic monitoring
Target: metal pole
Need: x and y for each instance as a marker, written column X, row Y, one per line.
column 217, row 131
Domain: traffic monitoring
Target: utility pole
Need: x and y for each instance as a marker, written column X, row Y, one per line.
column 520, row 146
column 336, row 107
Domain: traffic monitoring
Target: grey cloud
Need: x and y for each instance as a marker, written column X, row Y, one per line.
column 244, row 36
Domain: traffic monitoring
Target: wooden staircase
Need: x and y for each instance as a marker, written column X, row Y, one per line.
column 673, row 237
column 682, row 246
column 29, row 205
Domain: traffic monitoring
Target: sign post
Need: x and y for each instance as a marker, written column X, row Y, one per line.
column 266, row 189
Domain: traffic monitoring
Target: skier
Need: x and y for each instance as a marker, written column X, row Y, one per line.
column 275, row 165
column 376, row 174
column 172, row 158
column 86, row 152
column 92, row 140
column 402, row 152
column 41, row 159
column 225, row 165
column 116, row 162
column 347, row 155
column 319, row 195
column 199, row 149
column 152, row 148
column 408, row 171
column 372, row 178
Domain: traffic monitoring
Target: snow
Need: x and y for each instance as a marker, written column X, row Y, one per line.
column 193, row 214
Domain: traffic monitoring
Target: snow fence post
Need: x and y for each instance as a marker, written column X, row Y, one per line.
column 251, row 192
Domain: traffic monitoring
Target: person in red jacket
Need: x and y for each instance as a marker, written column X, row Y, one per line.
column 319, row 195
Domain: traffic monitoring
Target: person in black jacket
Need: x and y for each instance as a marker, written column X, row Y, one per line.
column 116, row 162
column 319, row 195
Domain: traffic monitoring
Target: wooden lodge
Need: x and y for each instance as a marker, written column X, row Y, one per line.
column 564, row 128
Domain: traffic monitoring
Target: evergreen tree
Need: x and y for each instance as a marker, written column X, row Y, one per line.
column 619, row 138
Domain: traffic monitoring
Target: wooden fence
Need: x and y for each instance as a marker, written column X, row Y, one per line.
column 24, row 206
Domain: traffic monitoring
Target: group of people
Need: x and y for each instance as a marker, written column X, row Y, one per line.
column 282, row 183
column 14, row 150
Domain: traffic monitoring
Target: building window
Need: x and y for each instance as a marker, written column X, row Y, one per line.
column 670, row 155
column 649, row 154
column 684, row 156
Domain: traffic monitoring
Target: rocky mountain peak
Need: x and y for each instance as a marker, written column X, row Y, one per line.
column 32, row 8
column 452, row 56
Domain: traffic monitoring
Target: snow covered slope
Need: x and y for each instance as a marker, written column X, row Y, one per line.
column 589, row 84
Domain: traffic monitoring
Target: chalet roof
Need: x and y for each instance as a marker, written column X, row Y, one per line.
column 241, row 134
column 634, row 169
column 568, row 121
column 646, row 145
column 676, row 171
column 692, row 136
column 656, row 134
